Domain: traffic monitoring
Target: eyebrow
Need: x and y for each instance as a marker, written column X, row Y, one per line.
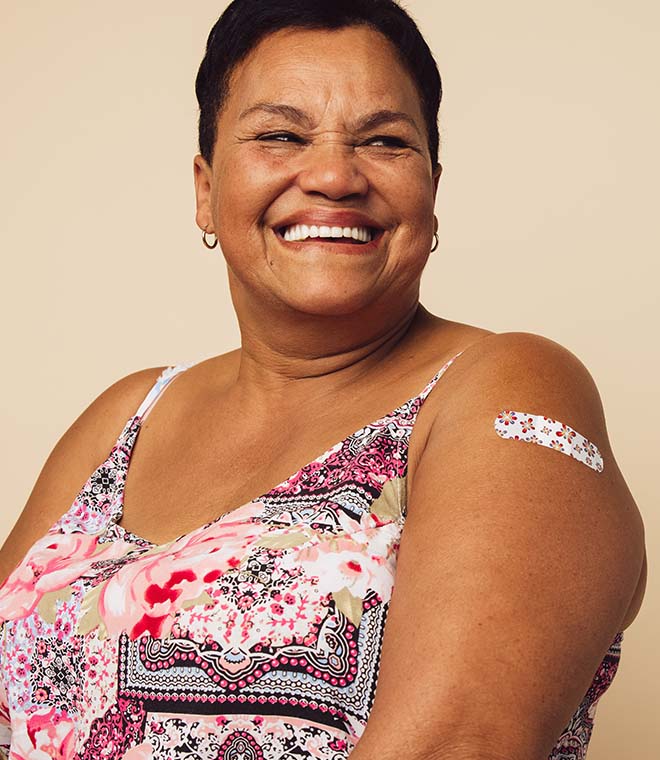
column 296, row 115
column 383, row 117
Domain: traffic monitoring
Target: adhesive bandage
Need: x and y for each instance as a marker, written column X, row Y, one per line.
column 544, row 431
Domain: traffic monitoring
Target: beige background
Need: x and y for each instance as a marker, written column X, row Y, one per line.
column 548, row 212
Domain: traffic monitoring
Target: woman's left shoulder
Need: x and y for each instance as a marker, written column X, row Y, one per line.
column 526, row 349
column 518, row 436
column 524, row 372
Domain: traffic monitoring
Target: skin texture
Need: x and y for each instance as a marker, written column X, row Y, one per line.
column 518, row 565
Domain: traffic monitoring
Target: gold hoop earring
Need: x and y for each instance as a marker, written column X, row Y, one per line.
column 206, row 242
column 436, row 242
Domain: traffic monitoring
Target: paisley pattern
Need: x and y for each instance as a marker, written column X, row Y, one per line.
column 256, row 636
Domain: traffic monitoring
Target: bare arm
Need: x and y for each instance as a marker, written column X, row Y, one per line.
column 80, row 450
column 516, row 568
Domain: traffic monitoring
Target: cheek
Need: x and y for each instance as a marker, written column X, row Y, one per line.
column 417, row 192
column 407, row 188
column 245, row 186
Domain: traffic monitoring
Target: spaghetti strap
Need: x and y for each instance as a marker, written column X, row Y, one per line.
column 164, row 379
column 432, row 382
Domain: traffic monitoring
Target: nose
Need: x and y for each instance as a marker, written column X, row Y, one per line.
column 332, row 169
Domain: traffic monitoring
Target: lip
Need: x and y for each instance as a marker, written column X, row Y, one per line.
column 328, row 218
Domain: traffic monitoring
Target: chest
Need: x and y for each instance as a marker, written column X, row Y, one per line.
column 178, row 479
column 284, row 603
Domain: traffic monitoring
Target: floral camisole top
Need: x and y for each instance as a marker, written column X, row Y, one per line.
column 254, row 637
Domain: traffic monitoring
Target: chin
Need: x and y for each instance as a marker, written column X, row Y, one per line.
column 329, row 302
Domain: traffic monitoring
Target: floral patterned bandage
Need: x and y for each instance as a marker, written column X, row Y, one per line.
column 535, row 428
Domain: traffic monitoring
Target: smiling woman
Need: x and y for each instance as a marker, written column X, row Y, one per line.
column 317, row 149
column 429, row 585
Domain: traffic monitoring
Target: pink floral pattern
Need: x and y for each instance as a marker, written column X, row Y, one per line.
column 254, row 637
column 52, row 563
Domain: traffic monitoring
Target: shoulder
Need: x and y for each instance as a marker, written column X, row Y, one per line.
column 523, row 354
column 85, row 444
column 511, row 553
column 93, row 433
column 504, row 393
column 496, row 383
column 102, row 421
column 523, row 372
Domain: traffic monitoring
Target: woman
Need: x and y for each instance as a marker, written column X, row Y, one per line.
column 172, row 613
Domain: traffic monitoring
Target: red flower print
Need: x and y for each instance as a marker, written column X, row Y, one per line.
column 527, row 425
column 507, row 417
column 566, row 432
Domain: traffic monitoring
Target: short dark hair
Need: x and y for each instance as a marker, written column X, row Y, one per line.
column 245, row 23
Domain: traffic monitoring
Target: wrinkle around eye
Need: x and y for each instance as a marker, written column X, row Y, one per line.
column 284, row 141
column 388, row 151
column 272, row 138
column 278, row 137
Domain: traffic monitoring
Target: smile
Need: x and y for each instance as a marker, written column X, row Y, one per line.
column 300, row 232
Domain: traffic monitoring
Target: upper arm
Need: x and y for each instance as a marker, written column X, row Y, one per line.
column 80, row 450
column 516, row 565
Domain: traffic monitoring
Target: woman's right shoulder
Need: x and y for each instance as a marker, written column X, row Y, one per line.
column 82, row 448
column 103, row 420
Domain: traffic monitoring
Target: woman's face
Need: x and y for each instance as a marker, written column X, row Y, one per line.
column 322, row 134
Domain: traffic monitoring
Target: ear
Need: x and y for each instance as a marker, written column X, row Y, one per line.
column 436, row 180
column 203, row 176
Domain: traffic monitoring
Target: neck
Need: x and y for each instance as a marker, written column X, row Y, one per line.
column 283, row 349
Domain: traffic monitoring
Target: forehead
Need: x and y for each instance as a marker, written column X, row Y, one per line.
column 356, row 67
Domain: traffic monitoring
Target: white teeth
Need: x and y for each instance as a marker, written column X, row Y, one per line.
column 298, row 232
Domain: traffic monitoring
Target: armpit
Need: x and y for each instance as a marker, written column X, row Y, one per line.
column 544, row 431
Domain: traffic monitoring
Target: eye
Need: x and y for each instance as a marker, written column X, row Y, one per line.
column 285, row 137
column 386, row 141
